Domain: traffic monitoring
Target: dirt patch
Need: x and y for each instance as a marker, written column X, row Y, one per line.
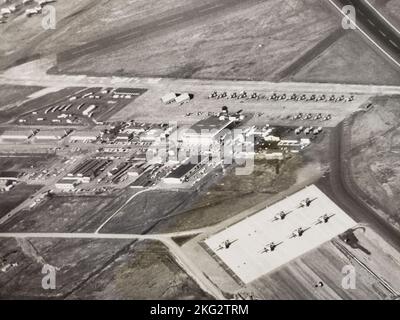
column 374, row 154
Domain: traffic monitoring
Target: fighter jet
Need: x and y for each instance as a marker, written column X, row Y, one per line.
column 280, row 215
column 298, row 232
column 324, row 218
column 306, row 202
column 269, row 247
column 226, row 244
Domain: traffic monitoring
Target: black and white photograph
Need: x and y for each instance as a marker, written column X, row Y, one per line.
column 213, row 153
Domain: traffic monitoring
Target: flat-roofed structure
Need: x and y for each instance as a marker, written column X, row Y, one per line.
column 51, row 134
column 183, row 172
column 183, row 98
column 9, row 175
column 16, row 135
column 85, row 171
column 84, row 136
column 206, row 132
column 128, row 91
column 168, row 98
column 244, row 248
column 67, row 184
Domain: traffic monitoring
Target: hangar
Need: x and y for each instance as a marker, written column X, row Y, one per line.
column 85, row 136
column 51, row 134
column 206, row 132
column 17, row 135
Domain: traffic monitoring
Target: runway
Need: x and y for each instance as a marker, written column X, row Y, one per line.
column 375, row 26
column 141, row 32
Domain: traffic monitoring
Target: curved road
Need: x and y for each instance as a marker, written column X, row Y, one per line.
column 348, row 197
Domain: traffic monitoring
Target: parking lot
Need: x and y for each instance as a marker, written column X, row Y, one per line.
column 90, row 106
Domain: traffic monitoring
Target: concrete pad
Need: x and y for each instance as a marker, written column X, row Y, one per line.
column 245, row 255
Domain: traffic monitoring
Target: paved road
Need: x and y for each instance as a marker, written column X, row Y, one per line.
column 374, row 26
column 349, row 198
column 163, row 24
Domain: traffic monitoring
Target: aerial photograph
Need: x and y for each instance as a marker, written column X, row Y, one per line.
column 200, row 150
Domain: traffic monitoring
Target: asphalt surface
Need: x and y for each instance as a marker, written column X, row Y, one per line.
column 164, row 24
column 350, row 198
column 376, row 27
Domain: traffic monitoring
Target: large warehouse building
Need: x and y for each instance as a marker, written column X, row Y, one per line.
column 206, row 132
column 17, row 135
column 51, row 135
column 185, row 171
column 84, row 136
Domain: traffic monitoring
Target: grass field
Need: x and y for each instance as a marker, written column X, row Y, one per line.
column 65, row 214
column 255, row 42
column 11, row 94
column 11, row 199
column 345, row 61
column 94, row 269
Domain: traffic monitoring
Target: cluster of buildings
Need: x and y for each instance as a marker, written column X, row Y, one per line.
column 84, row 172
column 24, row 135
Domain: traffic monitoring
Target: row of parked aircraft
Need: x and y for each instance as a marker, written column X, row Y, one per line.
column 297, row 233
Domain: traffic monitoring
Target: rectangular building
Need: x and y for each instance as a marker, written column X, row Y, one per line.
column 51, row 134
column 206, row 132
column 185, row 171
column 16, row 135
column 84, row 136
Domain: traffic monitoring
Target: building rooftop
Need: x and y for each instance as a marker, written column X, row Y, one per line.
column 211, row 123
column 128, row 91
column 26, row 132
column 184, row 168
column 51, row 133
column 5, row 175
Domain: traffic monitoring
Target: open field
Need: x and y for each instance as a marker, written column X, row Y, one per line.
column 22, row 161
column 345, row 61
column 66, row 214
column 11, row 94
column 90, row 269
column 374, row 155
column 11, row 199
column 250, row 41
column 147, row 210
